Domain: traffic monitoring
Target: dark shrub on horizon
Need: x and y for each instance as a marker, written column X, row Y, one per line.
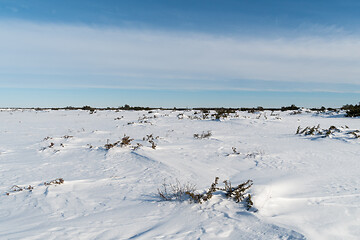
column 292, row 107
column 352, row 110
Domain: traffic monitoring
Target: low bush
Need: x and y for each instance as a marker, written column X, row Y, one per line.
column 187, row 191
column 352, row 110
column 57, row 181
column 30, row 188
column 51, row 145
column 255, row 154
column 295, row 112
column 16, row 188
column 203, row 135
column 316, row 130
column 150, row 138
column 88, row 108
column 108, row 145
column 125, row 141
column 223, row 113
column 292, row 107
column 355, row 133
column 235, row 152
column 136, row 147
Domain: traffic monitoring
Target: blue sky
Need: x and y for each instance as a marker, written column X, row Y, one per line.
column 179, row 53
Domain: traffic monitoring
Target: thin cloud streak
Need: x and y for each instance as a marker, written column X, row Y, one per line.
column 54, row 55
column 194, row 85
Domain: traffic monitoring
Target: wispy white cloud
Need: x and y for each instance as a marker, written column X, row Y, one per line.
column 54, row 55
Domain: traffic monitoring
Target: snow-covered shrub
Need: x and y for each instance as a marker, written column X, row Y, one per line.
column 187, row 191
column 295, row 112
column 235, row 152
column 223, row 113
column 237, row 193
column 57, row 181
column 125, row 141
column 292, row 107
column 16, row 188
column 254, row 154
column 180, row 116
column 315, row 130
column 251, row 154
column 327, row 132
column 150, row 138
column 355, row 133
column 352, row 110
column 51, row 145
column 108, row 145
column 137, row 146
column 203, row 135
column 30, row 188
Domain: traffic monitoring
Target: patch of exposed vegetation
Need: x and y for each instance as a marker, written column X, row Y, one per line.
column 235, row 152
column 254, row 154
column 136, row 147
column 317, row 131
column 30, row 188
column 56, row 181
column 151, row 139
column 17, row 188
column 145, row 119
column 223, row 113
column 51, row 145
column 352, row 110
column 292, row 107
column 188, row 191
column 203, row 135
column 295, row 112
column 125, row 141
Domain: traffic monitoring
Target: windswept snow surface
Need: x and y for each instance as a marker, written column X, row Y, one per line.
column 305, row 187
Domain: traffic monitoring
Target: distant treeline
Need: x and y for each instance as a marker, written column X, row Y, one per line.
column 352, row 110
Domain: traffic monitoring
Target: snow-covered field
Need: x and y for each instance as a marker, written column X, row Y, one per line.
column 305, row 187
